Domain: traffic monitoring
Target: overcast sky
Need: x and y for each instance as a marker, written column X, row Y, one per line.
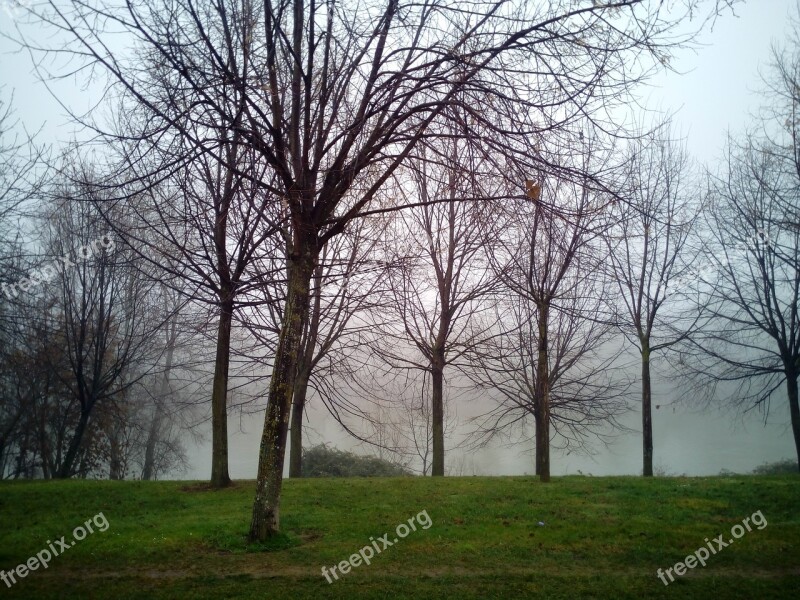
column 717, row 92
column 719, row 82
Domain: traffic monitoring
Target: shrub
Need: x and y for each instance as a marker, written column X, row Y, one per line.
column 322, row 461
column 780, row 467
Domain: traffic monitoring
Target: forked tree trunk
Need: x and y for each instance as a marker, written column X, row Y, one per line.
column 303, row 368
column 437, row 415
column 296, row 436
column 219, row 400
column 794, row 410
column 543, row 398
column 75, row 443
column 647, row 417
column 266, row 508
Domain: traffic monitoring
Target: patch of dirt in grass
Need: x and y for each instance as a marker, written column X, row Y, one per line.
column 311, row 535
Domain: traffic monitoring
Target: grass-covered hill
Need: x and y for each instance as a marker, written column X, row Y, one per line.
column 504, row 537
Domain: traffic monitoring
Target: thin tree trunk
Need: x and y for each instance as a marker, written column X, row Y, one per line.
column 543, row 398
column 647, row 417
column 219, row 399
column 148, row 471
column 115, row 461
column 794, row 410
column 437, row 415
column 298, row 408
column 266, row 508
column 538, row 460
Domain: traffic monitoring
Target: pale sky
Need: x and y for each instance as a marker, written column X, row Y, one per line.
column 719, row 84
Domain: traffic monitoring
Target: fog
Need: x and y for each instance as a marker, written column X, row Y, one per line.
column 713, row 91
column 686, row 440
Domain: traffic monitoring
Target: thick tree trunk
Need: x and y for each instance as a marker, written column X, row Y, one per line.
column 219, row 399
column 266, row 508
column 75, row 443
column 437, row 416
column 298, row 408
column 543, row 398
column 647, row 417
column 794, row 410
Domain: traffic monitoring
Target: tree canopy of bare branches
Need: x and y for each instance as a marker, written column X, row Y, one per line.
column 335, row 96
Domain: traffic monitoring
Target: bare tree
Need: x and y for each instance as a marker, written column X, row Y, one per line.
column 19, row 183
column 748, row 289
column 105, row 307
column 183, row 188
column 587, row 392
column 647, row 258
column 445, row 272
column 205, row 245
column 549, row 256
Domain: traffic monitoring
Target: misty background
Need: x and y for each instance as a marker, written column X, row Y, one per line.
column 716, row 93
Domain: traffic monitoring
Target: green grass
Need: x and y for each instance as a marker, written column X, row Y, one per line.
column 603, row 537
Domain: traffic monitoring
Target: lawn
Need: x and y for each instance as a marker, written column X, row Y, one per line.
column 488, row 537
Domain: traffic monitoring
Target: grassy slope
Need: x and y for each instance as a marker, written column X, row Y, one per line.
column 602, row 538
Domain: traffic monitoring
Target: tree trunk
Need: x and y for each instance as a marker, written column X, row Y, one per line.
column 543, row 445
column 266, row 508
column 794, row 410
column 219, row 399
column 115, row 454
column 74, row 445
column 437, row 415
column 303, row 368
column 543, row 398
column 537, row 461
column 298, row 408
column 647, row 417
column 149, row 470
